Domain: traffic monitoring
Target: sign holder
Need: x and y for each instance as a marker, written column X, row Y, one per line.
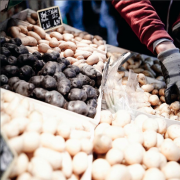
column 7, row 157
column 47, row 10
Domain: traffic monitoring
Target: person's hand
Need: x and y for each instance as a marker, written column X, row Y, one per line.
column 170, row 65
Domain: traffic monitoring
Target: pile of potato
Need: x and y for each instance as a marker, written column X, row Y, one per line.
column 79, row 48
column 153, row 100
column 148, row 66
column 47, row 148
column 49, row 78
column 143, row 149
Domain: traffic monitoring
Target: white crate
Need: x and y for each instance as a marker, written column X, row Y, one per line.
column 50, row 112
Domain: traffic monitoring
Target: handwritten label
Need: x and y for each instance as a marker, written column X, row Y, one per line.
column 6, row 158
column 50, row 18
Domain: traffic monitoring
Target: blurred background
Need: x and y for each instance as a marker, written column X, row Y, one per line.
column 95, row 17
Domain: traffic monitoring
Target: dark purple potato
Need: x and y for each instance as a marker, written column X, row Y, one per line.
column 22, row 59
column 55, row 53
column 60, row 67
column 16, row 41
column 75, row 68
column 31, row 59
column 3, row 79
column 36, row 80
column 91, row 111
column 69, row 72
column 12, row 81
column 49, row 83
column 89, row 71
column 37, row 54
column 98, row 79
column 90, row 91
column 55, row 98
column 63, row 60
column 5, row 51
column 10, row 70
column 50, row 68
column 26, row 59
column 26, row 72
column 77, row 94
column 39, row 93
column 79, row 107
column 12, row 60
column 21, row 50
column 6, row 86
column 49, row 57
column 85, row 79
column 76, row 82
column 64, row 86
column 3, row 60
column 58, row 76
column 92, row 103
column 38, row 65
column 24, row 88
column 11, row 47
column 2, row 40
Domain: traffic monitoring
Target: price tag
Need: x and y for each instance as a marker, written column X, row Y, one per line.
column 7, row 158
column 50, row 18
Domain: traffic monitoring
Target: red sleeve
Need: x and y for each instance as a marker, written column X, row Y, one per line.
column 177, row 21
column 143, row 19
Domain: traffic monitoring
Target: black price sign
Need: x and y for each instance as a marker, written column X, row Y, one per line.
column 50, row 18
column 7, row 158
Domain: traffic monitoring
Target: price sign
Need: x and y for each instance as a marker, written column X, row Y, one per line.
column 50, row 18
column 7, row 158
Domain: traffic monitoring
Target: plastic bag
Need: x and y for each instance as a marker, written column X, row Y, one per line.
column 119, row 96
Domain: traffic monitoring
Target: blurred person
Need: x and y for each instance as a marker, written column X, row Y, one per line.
column 74, row 9
column 108, row 21
column 147, row 20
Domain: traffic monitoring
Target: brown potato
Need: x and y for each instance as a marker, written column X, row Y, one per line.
column 68, row 53
column 67, row 37
column 40, row 31
column 34, row 35
column 43, row 47
column 57, row 35
column 23, row 29
column 43, row 41
column 60, row 29
column 53, row 43
column 31, row 21
column 29, row 41
column 34, row 16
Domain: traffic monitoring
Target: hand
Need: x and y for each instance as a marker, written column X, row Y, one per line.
column 170, row 65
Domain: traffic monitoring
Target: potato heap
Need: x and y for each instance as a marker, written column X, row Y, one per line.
column 154, row 100
column 143, row 149
column 49, row 78
column 47, row 148
column 148, row 66
column 79, row 48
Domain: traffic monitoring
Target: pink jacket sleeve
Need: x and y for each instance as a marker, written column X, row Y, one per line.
column 143, row 19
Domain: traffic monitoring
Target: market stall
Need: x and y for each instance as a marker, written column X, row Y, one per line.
column 51, row 101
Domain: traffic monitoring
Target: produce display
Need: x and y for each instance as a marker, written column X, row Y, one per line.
column 47, row 148
column 64, row 68
column 49, row 78
column 143, row 149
